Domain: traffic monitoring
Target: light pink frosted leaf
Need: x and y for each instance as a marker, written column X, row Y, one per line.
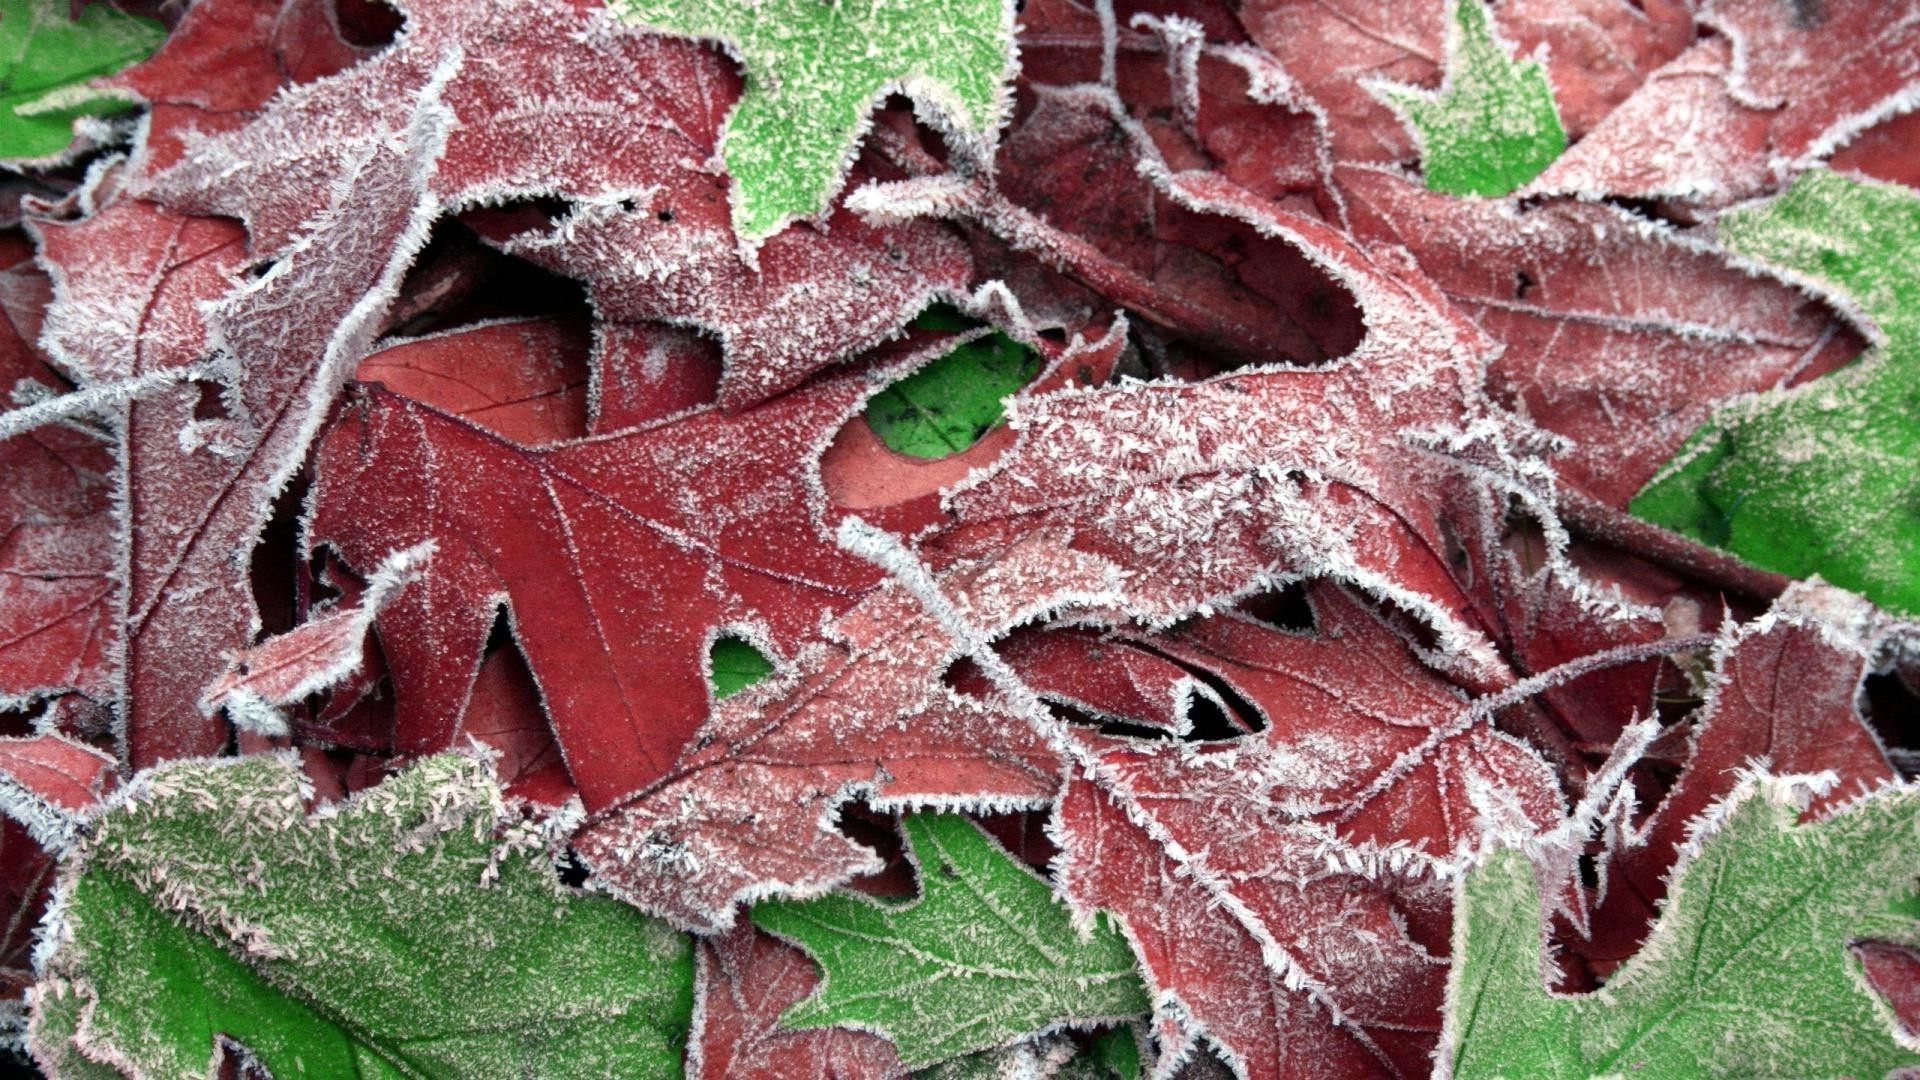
column 1736, row 115
column 56, row 530
column 1333, row 471
column 814, row 297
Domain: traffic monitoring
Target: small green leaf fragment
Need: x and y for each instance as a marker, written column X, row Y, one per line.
column 1117, row 1052
column 985, row 955
column 948, row 405
column 389, row 936
column 1748, row 963
column 736, row 666
column 814, row 73
column 1820, row 479
column 51, row 59
column 1493, row 125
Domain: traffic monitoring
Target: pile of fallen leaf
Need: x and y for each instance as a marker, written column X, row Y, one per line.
column 1075, row 538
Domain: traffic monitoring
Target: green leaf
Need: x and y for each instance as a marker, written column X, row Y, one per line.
column 1116, row 1053
column 1493, row 126
column 985, row 955
column 1820, row 479
column 815, row 71
column 394, row 935
column 736, row 666
column 53, row 57
column 946, row 406
column 1747, row 968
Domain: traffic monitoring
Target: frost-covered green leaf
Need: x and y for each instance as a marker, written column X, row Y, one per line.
column 946, row 406
column 985, row 955
column 814, row 73
column 1824, row 478
column 1747, row 971
column 395, row 935
column 1493, row 125
column 736, row 666
column 50, row 57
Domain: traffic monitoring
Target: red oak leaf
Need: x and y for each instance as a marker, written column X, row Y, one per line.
column 1280, row 887
column 744, row 811
column 56, row 531
column 744, row 979
column 1589, row 355
column 716, row 508
column 198, row 488
column 1736, row 115
column 1782, row 699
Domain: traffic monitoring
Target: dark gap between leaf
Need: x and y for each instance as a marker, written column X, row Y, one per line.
column 500, row 635
column 1891, row 703
column 460, row 279
column 277, row 563
column 1285, row 608
column 1024, row 834
column 869, row 827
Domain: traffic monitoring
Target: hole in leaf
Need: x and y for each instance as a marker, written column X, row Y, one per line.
column 736, row 665
column 1523, row 283
column 570, row 869
column 367, row 24
column 212, row 402
column 946, row 406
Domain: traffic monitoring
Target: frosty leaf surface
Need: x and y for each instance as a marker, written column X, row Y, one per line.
column 1493, row 125
column 394, row 935
column 51, row 53
column 815, row 72
column 1786, row 692
column 984, row 954
column 532, row 89
column 1748, row 963
column 1279, row 886
column 1820, row 479
column 1594, row 351
column 1775, row 89
column 56, row 588
column 946, row 406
